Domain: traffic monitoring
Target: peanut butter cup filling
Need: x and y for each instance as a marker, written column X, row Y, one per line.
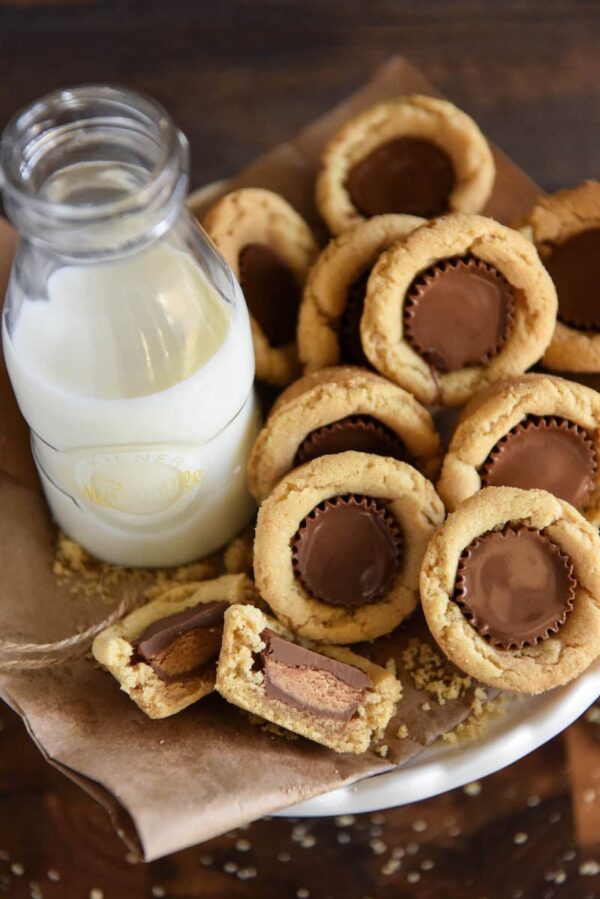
column 458, row 312
column 180, row 645
column 347, row 551
column 574, row 266
column 548, row 453
column 349, row 328
column 515, row 586
column 309, row 681
column 271, row 292
column 404, row 175
column 355, row 432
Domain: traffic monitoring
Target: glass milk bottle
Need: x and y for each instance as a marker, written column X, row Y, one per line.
column 125, row 334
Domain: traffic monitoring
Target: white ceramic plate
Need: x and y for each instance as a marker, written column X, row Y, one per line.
column 527, row 723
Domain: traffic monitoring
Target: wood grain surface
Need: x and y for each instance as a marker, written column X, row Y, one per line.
column 240, row 76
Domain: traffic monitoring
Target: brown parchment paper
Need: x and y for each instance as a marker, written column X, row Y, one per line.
column 169, row 784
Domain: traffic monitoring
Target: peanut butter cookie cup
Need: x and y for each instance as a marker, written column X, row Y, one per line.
column 164, row 654
column 339, row 544
column 326, row 693
column 565, row 228
column 462, row 302
column 510, row 587
column 536, row 431
column 339, row 409
column 270, row 249
column 415, row 155
column 334, row 295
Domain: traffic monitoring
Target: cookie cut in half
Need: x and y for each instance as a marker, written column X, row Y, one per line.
column 565, row 227
column 510, row 587
column 270, row 249
column 339, row 544
column 339, row 409
column 535, row 431
column 462, row 302
column 414, row 155
column 334, row 295
column 327, row 694
column 164, row 654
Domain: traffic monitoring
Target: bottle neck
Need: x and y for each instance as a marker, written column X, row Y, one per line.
column 93, row 172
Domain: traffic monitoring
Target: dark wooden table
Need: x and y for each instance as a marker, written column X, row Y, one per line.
column 240, row 76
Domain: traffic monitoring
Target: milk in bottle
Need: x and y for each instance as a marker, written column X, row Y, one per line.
column 125, row 335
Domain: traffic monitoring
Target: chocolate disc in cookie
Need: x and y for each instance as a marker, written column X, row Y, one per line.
column 515, row 586
column 574, row 266
column 408, row 175
column 459, row 312
column 347, row 551
column 362, row 433
column 351, row 349
column 549, row 453
column 271, row 291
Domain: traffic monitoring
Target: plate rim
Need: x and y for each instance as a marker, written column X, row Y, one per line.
column 423, row 778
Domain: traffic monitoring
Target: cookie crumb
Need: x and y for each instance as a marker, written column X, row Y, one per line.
column 343, row 838
column 481, row 711
column 520, row 838
column 283, row 857
column 52, row 874
column 242, row 845
column 413, row 877
column 158, row 892
column 402, row 732
column 419, row 826
column 378, row 847
column 472, row 789
column 430, row 673
column 533, row 801
column 391, row 866
column 246, row 873
column 589, row 868
column 344, row 820
column 17, row 869
column 382, row 751
column 96, row 893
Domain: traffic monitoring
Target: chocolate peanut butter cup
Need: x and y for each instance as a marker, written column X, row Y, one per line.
column 271, row 291
column 310, row 681
column 179, row 645
column 414, row 155
column 164, row 653
column 574, row 266
column 347, row 551
column 515, row 586
column 354, row 432
column 349, row 329
column 408, row 175
column 325, row 693
column 549, row 453
column 459, row 312
column 270, row 249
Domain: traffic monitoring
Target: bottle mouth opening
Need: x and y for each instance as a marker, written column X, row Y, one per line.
column 90, row 153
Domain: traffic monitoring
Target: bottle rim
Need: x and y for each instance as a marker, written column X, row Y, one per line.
column 24, row 134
